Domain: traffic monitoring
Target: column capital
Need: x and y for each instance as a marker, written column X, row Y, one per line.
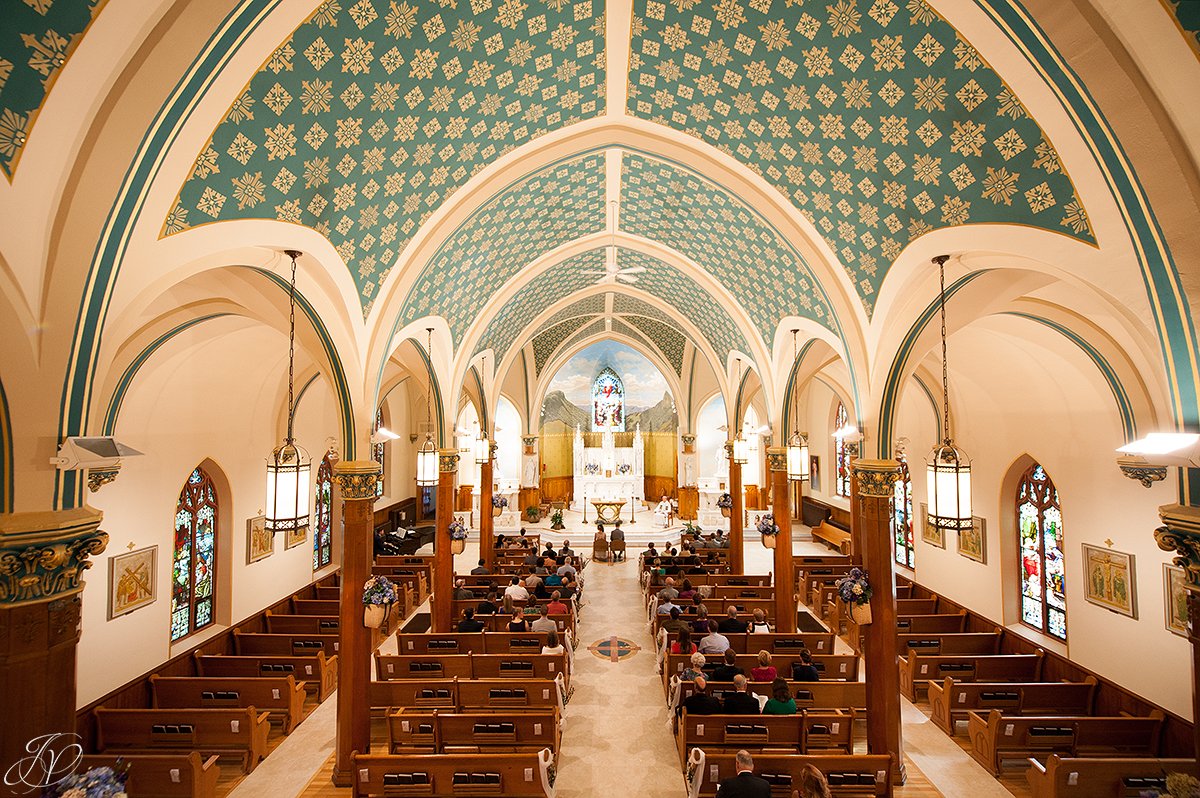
column 357, row 479
column 876, row 478
column 44, row 554
column 492, row 448
column 728, row 449
column 777, row 458
column 1141, row 471
column 1180, row 534
column 447, row 460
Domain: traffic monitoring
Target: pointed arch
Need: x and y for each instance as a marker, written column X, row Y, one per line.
column 1040, row 543
column 194, row 555
column 323, row 514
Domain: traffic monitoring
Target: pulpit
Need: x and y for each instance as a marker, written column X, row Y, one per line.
column 689, row 504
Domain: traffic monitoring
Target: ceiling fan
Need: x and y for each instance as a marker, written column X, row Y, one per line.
column 612, row 271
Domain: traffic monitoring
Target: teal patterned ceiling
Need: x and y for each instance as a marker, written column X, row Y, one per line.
column 879, row 123
column 525, row 221
column 725, row 236
column 562, row 279
column 588, row 306
column 372, row 113
column 548, row 342
column 36, row 39
column 669, row 341
column 624, row 304
column 1187, row 17
column 595, row 328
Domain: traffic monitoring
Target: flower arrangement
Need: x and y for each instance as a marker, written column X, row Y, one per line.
column 101, row 782
column 767, row 525
column 854, row 589
column 691, row 529
column 624, row 468
column 725, row 501
column 556, row 520
column 379, row 590
column 457, row 530
column 591, row 468
column 1179, row 785
column 499, row 501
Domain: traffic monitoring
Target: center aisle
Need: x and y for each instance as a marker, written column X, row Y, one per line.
column 615, row 739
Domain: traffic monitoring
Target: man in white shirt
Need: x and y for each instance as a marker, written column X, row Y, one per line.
column 714, row 642
column 516, row 591
column 663, row 512
column 567, row 568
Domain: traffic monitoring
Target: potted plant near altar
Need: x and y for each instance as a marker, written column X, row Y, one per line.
column 691, row 530
column 499, row 503
column 725, row 504
column 99, row 782
column 855, row 590
column 379, row 594
column 533, row 514
column 556, row 520
column 769, row 529
column 458, row 536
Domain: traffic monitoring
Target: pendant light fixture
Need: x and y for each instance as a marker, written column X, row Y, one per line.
column 741, row 448
column 427, row 455
column 797, row 446
column 481, row 444
column 288, row 470
column 948, row 470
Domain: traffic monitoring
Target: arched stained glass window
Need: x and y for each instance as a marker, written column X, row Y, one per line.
column 378, row 454
column 1039, row 519
column 902, row 511
column 842, row 483
column 323, row 537
column 608, row 402
column 194, row 563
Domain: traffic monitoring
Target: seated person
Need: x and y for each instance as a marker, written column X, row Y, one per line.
column 567, row 568
column 531, row 559
column 759, row 625
column 516, row 591
column 740, row 702
column 700, row 625
column 781, row 701
column 695, row 668
column 650, row 553
column 700, row 702
column 674, row 624
column 462, row 592
column 533, row 582
column 730, row 623
column 550, row 552
column 662, row 512
column 714, row 642
column 686, row 591
column 518, row 623
column 812, row 783
column 719, row 541
column 665, row 607
column 487, row 606
column 599, row 533
column 669, row 591
column 556, row 605
column 728, row 667
column 543, row 622
column 553, row 646
column 566, row 550
column 468, row 623
column 550, row 564
column 805, row 670
column 553, row 579
column 683, row 644
column 765, row 672
column 481, row 568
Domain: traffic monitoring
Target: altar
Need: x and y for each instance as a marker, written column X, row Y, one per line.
column 608, row 511
column 607, row 472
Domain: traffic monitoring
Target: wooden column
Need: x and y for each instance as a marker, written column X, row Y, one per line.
column 487, row 520
column 40, row 611
column 785, row 573
column 871, row 518
column 443, row 560
column 737, row 514
column 356, row 481
column 1180, row 534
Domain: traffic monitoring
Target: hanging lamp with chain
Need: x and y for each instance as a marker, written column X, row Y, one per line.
column 948, row 469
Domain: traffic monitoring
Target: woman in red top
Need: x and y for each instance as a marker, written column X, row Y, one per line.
column 684, row 644
column 765, row 672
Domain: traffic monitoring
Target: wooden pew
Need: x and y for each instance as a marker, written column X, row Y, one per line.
column 499, row 623
column 917, row 606
column 319, row 672
column 526, row 666
column 220, row 731
column 743, row 591
column 950, row 643
column 249, row 644
column 302, row 624
column 327, row 592
column 497, row 695
column 857, row 775
column 315, row 607
column 843, row 667
column 478, row 642
column 835, row 537
column 995, row 737
column 280, row 695
column 445, row 732
column 808, row 695
column 775, row 642
column 950, row 701
column 162, row 775
column 808, row 732
column 469, row 666
column 932, row 624
column 523, row 775
column 917, row 670
column 1063, row 777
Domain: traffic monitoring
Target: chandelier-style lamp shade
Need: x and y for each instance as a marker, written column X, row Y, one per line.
column 797, row 457
column 948, row 469
column 289, row 469
column 483, row 449
column 427, row 455
column 741, row 449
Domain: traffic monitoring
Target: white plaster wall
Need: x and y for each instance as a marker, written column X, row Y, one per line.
column 209, row 393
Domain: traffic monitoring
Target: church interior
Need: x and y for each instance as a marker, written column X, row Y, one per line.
column 870, row 319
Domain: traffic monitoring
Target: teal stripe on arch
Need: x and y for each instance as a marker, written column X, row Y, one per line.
column 1176, row 332
column 114, row 404
column 483, row 409
column 437, row 395
column 7, row 477
column 933, row 404
column 122, row 218
column 891, row 388
column 791, row 381
column 1128, row 422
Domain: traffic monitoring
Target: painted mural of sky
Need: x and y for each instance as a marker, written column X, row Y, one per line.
column 644, row 384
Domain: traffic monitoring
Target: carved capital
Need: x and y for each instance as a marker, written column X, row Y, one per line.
column 1138, row 469
column 529, row 440
column 1180, row 534
column 688, row 439
column 729, row 449
column 876, row 478
column 101, row 476
column 357, row 479
column 43, row 555
column 447, row 460
column 777, row 458
column 853, row 448
column 492, row 448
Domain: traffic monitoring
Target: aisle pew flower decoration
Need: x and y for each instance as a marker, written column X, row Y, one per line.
column 379, row 594
column 855, row 590
column 768, row 529
column 101, row 782
column 725, row 501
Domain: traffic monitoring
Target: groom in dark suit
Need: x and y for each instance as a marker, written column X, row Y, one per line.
column 745, row 784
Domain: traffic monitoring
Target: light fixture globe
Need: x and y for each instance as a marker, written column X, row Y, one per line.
column 741, row 450
column 483, row 449
column 427, row 463
column 288, row 475
column 948, row 476
column 797, row 457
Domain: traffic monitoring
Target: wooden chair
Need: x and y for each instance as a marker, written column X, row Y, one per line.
column 600, row 549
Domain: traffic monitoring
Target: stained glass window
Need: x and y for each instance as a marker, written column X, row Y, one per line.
column 378, row 454
column 1039, row 518
column 323, row 539
column 843, row 458
column 608, row 402
column 902, row 513
column 194, row 563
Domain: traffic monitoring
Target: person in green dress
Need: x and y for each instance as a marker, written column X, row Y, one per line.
column 781, row 701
